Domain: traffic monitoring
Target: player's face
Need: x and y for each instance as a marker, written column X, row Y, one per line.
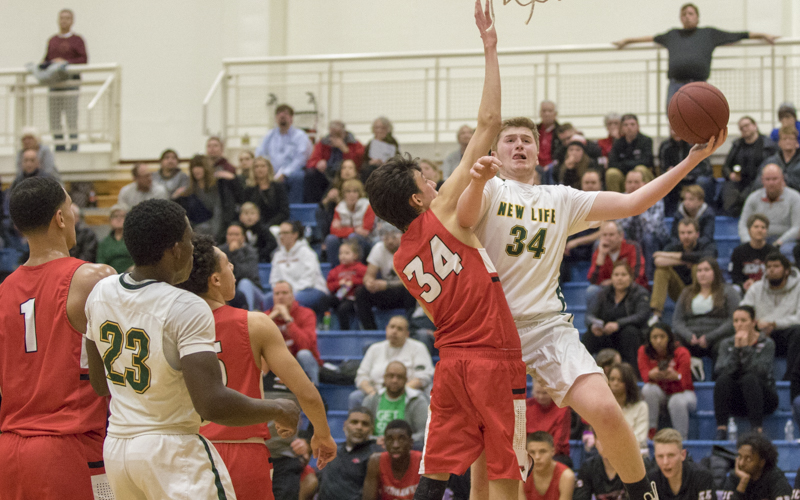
column 357, row 428
column 705, row 274
column 669, row 458
column 659, row 339
column 518, row 152
column 758, row 231
column 427, row 190
column 225, row 274
column 748, row 460
column 689, row 18
column 687, row 234
column 397, row 332
column 542, row 454
column 397, row 442
column 185, row 259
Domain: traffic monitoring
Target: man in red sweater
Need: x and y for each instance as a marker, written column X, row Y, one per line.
column 612, row 248
column 326, row 159
column 68, row 47
column 544, row 415
column 298, row 325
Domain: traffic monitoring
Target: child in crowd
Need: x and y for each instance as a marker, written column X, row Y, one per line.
column 353, row 219
column 694, row 206
column 343, row 281
column 256, row 233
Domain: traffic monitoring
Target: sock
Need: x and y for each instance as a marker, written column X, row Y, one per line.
column 642, row 489
column 429, row 489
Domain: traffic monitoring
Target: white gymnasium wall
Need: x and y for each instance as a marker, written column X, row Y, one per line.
column 171, row 51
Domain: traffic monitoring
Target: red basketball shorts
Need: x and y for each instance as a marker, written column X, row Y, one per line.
column 477, row 404
column 250, row 469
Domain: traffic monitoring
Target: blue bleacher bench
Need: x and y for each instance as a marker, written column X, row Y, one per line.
column 303, row 212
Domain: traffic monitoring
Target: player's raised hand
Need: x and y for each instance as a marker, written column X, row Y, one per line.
column 324, row 450
column 706, row 150
column 485, row 168
column 485, row 23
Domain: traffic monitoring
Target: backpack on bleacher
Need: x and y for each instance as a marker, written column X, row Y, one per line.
column 720, row 463
column 343, row 374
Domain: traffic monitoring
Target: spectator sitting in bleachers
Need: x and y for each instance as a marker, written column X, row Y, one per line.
column 673, row 151
column 542, row 414
column 580, row 246
column 269, row 196
column 452, row 160
column 787, row 115
column 244, row 258
column 780, row 204
column 397, row 347
column 142, row 188
column 617, row 316
column 112, row 249
column 613, row 247
column 576, row 162
column 353, row 220
column 647, row 228
column 677, row 478
column 431, row 172
column 395, row 400
column 693, row 205
column 548, row 137
column 382, row 130
column 674, row 265
column 344, row 476
column 382, row 287
column 787, row 157
column 297, row 264
column 741, row 165
column 393, row 474
column 567, row 134
column 756, row 476
column 666, row 369
column 597, row 479
column 612, row 122
column 327, row 207
column 622, row 382
column 327, row 157
column 632, row 151
column 289, row 148
column 246, row 159
column 85, row 240
column 744, row 384
column 549, row 478
column 169, row 175
column 747, row 260
column 298, row 325
column 215, row 149
column 343, row 281
column 30, row 167
column 210, row 201
column 776, row 301
column 256, row 232
column 607, row 358
column 31, row 139
column 703, row 314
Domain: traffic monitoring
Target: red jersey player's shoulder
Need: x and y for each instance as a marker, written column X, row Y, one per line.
column 83, row 282
column 264, row 334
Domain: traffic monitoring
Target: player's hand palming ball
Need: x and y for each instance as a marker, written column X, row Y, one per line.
column 697, row 112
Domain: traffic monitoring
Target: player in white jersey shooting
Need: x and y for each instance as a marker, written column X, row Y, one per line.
column 524, row 228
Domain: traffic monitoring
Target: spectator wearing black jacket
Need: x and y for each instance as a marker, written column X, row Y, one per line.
column 269, row 196
column 677, row 478
column 788, row 156
column 245, row 268
column 597, row 478
column 694, row 206
column 741, row 165
column 210, row 202
column 85, row 240
column 343, row 478
column 748, row 259
column 633, row 150
column 756, row 475
column 673, row 151
column 256, row 232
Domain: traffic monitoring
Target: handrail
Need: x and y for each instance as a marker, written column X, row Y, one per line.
column 209, row 96
column 71, row 69
column 100, row 92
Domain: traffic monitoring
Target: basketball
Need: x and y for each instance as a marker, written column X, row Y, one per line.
column 698, row 111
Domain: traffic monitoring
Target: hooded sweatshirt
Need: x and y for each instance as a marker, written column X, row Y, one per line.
column 780, row 306
column 298, row 266
column 705, row 216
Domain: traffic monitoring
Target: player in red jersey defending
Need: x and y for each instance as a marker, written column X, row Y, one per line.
column 245, row 342
column 52, row 422
column 478, row 398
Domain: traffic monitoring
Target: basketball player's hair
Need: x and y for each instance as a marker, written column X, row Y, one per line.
column 517, row 122
column 668, row 436
column 361, row 409
column 151, row 228
column 540, row 437
column 34, row 202
column 389, row 189
column 399, row 424
column 687, row 5
column 753, row 218
column 205, row 264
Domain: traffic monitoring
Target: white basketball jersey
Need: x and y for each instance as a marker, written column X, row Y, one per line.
column 141, row 330
column 524, row 229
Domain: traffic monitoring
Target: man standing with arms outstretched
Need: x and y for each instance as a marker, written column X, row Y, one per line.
column 155, row 343
column 52, row 422
column 479, row 389
column 525, row 229
column 246, row 343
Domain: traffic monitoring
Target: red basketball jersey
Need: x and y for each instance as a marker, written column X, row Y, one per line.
column 458, row 286
column 392, row 488
column 239, row 371
column 552, row 492
column 43, row 376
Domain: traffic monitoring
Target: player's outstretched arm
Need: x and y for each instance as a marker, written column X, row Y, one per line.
column 216, row 403
column 469, row 203
column 488, row 115
column 371, row 482
column 267, row 343
column 609, row 205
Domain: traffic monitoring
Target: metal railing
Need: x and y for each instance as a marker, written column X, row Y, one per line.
column 26, row 102
column 428, row 96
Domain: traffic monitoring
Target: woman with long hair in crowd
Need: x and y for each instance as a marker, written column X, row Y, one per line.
column 623, row 385
column 270, row 197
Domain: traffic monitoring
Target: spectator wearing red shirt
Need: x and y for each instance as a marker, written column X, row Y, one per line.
column 548, row 139
column 612, row 122
column 343, row 281
column 666, row 371
column 67, row 47
column 353, row 220
column 298, row 325
column 326, row 159
column 612, row 248
column 544, row 415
